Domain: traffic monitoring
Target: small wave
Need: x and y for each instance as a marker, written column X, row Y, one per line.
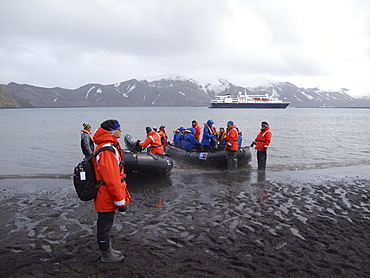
column 323, row 165
column 37, row 176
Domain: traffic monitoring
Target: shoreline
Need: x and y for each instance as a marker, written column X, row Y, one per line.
column 334, row 171
column 196, row 224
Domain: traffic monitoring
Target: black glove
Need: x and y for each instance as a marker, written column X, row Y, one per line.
column 138, row 142
column 253, row 143
column 122, row 209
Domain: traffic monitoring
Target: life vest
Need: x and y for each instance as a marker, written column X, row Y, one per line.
column 189, row 139
column 221, row 135
column 197, row 131
column 232, row 138
column 263, row 139
column 87, row 147
column 178, row 137
column 154, row 140
column 240, row 138
column 208, row 134
column 88, row 132
column 164, row 138
column 210, row 130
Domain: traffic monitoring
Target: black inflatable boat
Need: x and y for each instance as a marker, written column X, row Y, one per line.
column 211, row 158
column 137, row 162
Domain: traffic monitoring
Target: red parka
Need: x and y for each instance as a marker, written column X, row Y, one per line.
column 154, row 140
column 263, row 139
column 197, row 131
column 108, row 168
column 232, row 138
column 163, row 136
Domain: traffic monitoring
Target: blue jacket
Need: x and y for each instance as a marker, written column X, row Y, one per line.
column 178, row 137
column 207, row 133
column 189, row 139
column 240, row 138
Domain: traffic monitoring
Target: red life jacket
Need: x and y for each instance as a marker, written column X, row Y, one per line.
column 263, row 139
column 154, row 140
column 232, row 138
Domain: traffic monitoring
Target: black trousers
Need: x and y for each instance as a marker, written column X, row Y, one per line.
column 232, row 160
column 261, row 159
column 104, row 225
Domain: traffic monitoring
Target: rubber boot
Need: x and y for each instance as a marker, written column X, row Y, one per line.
column 116, row 252
column 108, row 256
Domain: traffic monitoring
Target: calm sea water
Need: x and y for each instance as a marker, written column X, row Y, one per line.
column 47, row 141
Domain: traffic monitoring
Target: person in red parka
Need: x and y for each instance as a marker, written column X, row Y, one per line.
column 262, row 142
column 113, row 194
column 163, row 135
column 154, row 140
column 232, row 146
column 195, row 125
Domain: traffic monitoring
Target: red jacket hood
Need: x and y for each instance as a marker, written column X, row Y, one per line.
column 151, row 133
column 266, row 129
column 104, row 136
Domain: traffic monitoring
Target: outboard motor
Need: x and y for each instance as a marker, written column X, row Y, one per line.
column 132, row 144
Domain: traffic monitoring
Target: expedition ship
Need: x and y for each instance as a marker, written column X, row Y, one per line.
column 248, row 101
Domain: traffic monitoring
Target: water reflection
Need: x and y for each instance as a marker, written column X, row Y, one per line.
column 261, row 176
column 140, row 183
column 185, row 187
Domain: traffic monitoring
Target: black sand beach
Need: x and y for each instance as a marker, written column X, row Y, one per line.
column 201, row 224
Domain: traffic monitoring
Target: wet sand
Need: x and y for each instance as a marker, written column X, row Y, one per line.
column 312, row 223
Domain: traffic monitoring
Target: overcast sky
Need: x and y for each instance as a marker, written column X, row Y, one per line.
column 69, row 43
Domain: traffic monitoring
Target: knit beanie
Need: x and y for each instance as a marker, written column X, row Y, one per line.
column 110, row 125
column 148, row 129
column 86, row 126
column 265, row 124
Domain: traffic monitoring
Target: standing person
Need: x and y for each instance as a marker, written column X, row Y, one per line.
column 113, row 194
column 195, row 125
column 262, row 142
column 87, row 141
column 163, row 135
column 232, row 146
column 207, row 135
column 154, row 140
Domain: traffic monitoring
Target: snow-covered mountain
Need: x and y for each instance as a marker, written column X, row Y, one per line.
column 170, row 90
column 286, row 91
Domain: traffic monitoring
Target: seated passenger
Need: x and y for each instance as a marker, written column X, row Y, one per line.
column 190, row 142
column 240, row 137
column 218, row 142
column 208, row 134
column 194, row 124
column 163, row 135
column 178, row 136
column 154, row 140
column 221, row 135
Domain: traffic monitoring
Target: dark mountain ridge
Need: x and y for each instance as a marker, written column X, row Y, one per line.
column 166, row 91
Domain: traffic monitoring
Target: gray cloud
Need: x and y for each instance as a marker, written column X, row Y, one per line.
column 72, row 42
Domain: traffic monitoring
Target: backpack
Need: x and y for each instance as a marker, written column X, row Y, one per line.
column 84, row 177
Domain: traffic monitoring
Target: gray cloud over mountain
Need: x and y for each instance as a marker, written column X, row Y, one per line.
column 69, row 43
